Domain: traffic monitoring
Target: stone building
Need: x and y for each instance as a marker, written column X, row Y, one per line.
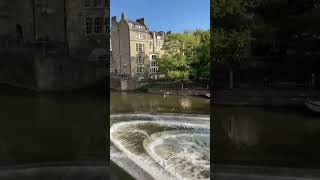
column 135, row 49
column 81, row 24
column 66, row 40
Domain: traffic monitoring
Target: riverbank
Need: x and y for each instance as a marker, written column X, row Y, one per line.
column 185, row 92
column 173, row 88
column 264, row 97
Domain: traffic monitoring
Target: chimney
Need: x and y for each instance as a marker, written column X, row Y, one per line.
column 162, row 33
column 114, row 19
column 141, row 21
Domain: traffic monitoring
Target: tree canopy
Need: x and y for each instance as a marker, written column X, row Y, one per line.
column 186, row 54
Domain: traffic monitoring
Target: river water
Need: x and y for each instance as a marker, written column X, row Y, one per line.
column 272, row 137
column 45, row 128
column 164, row 137
column 71, row 127
column 122, row 102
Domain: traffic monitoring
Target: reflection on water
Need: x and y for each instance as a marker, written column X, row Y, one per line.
column 122, row 102
column 267, row 137
column 51, row 127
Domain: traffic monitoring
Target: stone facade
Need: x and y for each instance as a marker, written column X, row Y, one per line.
column 56, row 20
column 135, row 49
column 66, row 40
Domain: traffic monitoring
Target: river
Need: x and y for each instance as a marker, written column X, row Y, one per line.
column 176, row 109
column 69, row 127
column 45, row 128
column 271, row 137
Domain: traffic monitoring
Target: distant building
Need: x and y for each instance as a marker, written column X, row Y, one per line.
column 135, row 49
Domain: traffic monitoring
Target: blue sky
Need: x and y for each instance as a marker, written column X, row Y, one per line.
column 165, row 15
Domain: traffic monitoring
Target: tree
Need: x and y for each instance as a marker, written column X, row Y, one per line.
column 186, row 54
column 175, row 63
column 231, row 49
column 200, row 56
column 231, row 33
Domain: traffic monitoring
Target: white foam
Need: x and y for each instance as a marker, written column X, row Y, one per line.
column 129, row 136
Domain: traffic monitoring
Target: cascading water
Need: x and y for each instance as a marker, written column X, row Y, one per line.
column 164, row 146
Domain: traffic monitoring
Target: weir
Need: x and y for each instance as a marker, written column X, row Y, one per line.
column 149, row 140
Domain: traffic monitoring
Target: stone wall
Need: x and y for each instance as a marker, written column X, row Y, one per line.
column 124, row 84
column 17, row 68
column 49, row 71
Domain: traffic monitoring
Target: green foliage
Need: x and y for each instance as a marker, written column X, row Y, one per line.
column 231, row 32
column 186, row 54
column 200, row 57
column 175, row 66
column 230, row 47
column 221, row 8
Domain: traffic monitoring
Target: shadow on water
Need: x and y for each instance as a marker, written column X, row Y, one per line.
column 264, row 136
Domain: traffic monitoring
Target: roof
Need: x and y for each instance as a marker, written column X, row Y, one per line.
column 138, row 24
column 160, row 33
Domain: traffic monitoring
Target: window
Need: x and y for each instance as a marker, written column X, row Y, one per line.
column 139, row 47
column 88, row 25
column 153, row 56
column 153, row 70
column 96, row 3
column 140, row 60
column 98, row 25
column 154, row 63
column 86, row 3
